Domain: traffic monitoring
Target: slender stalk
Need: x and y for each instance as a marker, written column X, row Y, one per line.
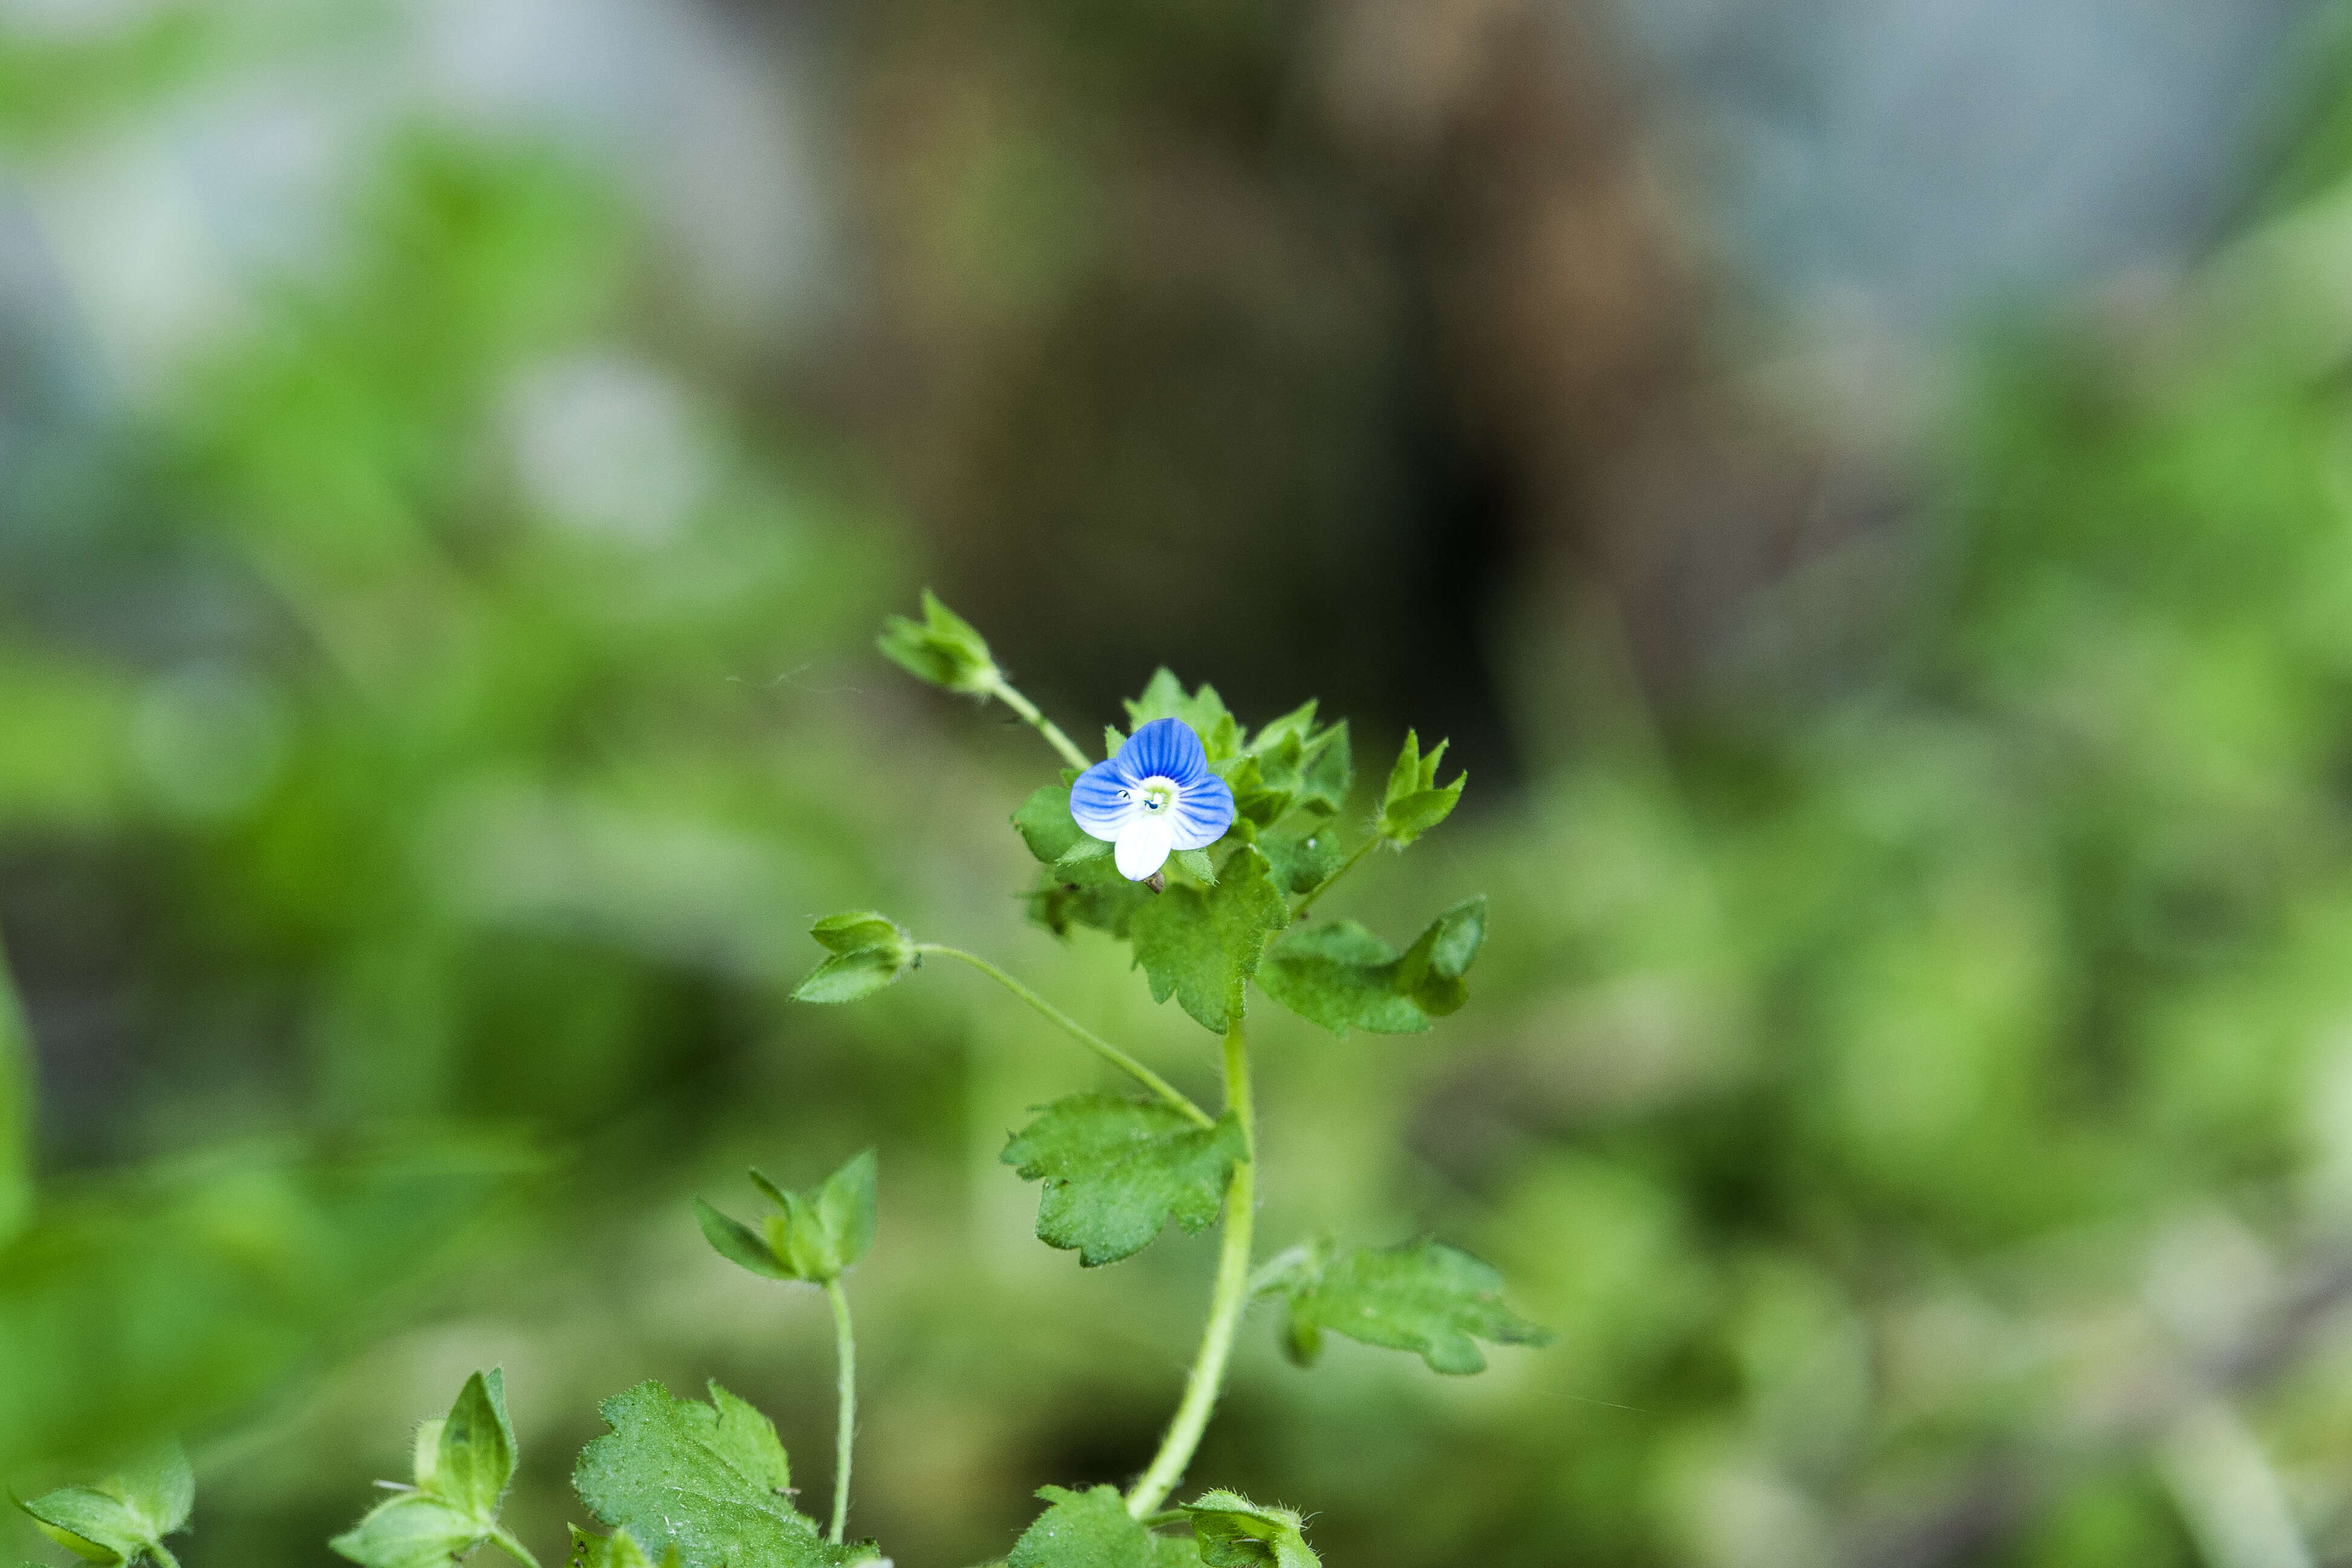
column 1080, row 1033
column 1004, row 693
column 15, row 1105
column 1226, row 1302
column 1319, row 889
column 845, row 1342
column 500, row 1539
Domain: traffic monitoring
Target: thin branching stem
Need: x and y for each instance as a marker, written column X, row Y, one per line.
column 1005, row 692
column 1225, row 1301
column 1080, row 1033
column 1319, row 889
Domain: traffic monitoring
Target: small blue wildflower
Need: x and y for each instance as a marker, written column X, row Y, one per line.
column 1157, row 794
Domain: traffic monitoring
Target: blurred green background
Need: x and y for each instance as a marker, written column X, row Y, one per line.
column 1866, row 484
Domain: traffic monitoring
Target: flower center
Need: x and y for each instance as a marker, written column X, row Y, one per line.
column 1156, row 794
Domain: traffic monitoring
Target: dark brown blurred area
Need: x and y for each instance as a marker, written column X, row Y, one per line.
column 1344, row 334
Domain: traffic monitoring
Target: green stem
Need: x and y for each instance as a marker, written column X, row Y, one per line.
column 16, row 1106
column 845, row 1342
column 1004, row 693
column 1319, row 889
column 163, row 1555
column 1080, row 1033
column 508, row 1545
column 1226, row 1302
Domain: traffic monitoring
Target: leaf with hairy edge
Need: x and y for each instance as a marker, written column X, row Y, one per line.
column 1200, row 946
column 125, row 1516
column 1092, row 1529
column 942, row 648
column 414, row 1529
column 1414, row 803
column 709, row 1480
column 1116, row 1171
column 1081, row 884
column 869, row 952
column 1423, row 1297
column 1204, row 710
column 473, row 1456
column 1236, row 1533
column 1343, row 977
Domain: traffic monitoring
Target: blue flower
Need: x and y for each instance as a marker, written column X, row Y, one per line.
column 1154, row 796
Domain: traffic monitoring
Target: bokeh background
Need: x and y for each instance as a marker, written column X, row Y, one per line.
column 1865, row 484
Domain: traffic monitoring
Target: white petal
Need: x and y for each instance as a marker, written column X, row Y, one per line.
column 1143, row 846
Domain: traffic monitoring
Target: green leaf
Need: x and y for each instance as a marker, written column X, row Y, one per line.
column 845, row 1206
column 1196, row 862
column 618, row 1550
column 869, row 952
column 1423, row 1297
column 814, row 1237
column 1343, row 977
column 1414, row 804
column 1202, row 946
column 125, row 1516
column 1046, row 825
column 709, row 1481
column 942, row 648
column 475, row 1455
column 739, row 1243
column 1302, row 857
column 1236, row 1533
column 1204, row 710
column 1115, row 1170
column 1092, row 1529
column 424, row 1457
column 1081, row 885
column 414, row 1529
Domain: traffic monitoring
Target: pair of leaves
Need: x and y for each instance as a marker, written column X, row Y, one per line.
column 1414, row 803
column 942, row 648
column 463, row 1464
column 1425, row 1297
column 1117, row 1170
column 1292, row 765
column 1164, row 698
column 869, row 952
column 814, row 1235
column 707, row 1483
column 1202, row 945
column 126, row 1516
column 1092, row 1529
column 1343, row 977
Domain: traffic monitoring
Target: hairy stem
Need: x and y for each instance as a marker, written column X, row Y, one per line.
column 1319, row 889
column 504, row 1542
column 16, row 1106
column 845, row 1342
column 1226, row 1302
column 1004, row 693
column 1080, row 1033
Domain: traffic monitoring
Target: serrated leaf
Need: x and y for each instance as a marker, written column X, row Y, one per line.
column 1202, row 946
column 1343, row 977
column 1425, row 1297
column 1117, row 1170
column 1092, row 1529
column 1046, row 825
column 414, row 1529
column 942, row 648
column 1300, row 859
column 618, row 1550
column 124, row 1515
column 739, row 1243
column 1414, row 802
column 709, row 1480
column 1235, row 1533
column 1204, row 710
column 869, row 952
column 1197, row 863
